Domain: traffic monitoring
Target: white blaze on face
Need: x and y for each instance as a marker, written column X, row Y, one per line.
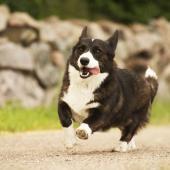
column 92, row 61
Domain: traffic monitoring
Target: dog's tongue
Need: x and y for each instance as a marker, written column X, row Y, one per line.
column 93, row 71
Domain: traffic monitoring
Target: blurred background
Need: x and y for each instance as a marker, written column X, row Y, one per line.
column 36, row 37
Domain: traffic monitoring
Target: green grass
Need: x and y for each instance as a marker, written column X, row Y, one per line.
column 14, row 118
column 160, row 113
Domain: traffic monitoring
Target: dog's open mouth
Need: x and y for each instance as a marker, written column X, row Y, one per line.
column 86, row 72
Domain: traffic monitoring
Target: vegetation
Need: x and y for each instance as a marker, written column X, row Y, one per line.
column 120, row 10
column 15, row 118
column 160, row 112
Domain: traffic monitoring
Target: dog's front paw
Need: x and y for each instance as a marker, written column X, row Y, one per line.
column 69, row 136
column 84, row 131
column 69, row 143
column 82, row 134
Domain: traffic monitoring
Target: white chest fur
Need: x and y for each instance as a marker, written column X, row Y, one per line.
column 80, row 92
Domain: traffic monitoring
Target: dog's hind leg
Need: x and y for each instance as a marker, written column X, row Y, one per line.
column 127, row 141
column 131, row 144
column 65, row 113
column 140, row 118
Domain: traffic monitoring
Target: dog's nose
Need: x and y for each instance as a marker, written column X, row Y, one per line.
column 84, row 61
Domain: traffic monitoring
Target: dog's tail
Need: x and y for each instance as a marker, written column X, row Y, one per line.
column 152, row 79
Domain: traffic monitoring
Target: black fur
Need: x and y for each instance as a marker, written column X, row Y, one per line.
column 125, row 97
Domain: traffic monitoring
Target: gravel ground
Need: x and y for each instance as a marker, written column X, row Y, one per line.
column 44, row 150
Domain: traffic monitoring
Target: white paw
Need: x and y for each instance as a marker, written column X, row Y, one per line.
column 70, row 138
column 122, row 147
column 84, row 131
column 69, row 143
column 82, row 134
column 132, row 145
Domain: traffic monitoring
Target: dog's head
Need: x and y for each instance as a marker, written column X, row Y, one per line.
column 93, row 56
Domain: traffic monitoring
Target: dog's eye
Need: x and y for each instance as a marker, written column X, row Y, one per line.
column 97, row 51
column 81, row 49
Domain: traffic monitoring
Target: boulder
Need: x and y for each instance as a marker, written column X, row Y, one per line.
column 122, row 51
column 95, row 31
column 18, row 19
column 58, row 59
column 15, row 57
column 46, row 71
column 142, row 43
column 62, row 35
column 138, row 28
column 109, row 27
column 50, row 96
column 146, row 41
column 80, row 22
column 4, row 16
column 22, row 34
column 47, row 32
column 17, row 87
column 166, row 74
column 163, row 91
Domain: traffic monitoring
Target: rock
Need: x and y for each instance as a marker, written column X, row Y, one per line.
column 80, row 22
column 15, row 86
column 142, row 43
column 63, row 35
column 122, row 51
column 23, row 35
column 162, row 26
column 46, row 71
column 3, row 40
column 28, row 36
column 138, row 28
column 95, row 31
column 4, row 16
column 47, row 32
column 52, row 19
column 18, row 19
column 58, row 59
column 146, row 41
column 50, row 96
column 109, row 27
column 163, row 90
column 15, row 57
column 166, row 74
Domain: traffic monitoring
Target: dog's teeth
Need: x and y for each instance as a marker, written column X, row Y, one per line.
column 84, row 75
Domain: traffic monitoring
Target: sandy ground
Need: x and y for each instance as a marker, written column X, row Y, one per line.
column 45, row 151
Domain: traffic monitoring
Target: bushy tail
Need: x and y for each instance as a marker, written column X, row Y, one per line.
column 152, row 78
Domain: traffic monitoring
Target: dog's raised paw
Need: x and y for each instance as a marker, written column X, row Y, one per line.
column 82, row 134
column 83, row 131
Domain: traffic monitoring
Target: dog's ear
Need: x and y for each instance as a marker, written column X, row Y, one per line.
column 83, row 33
column 113, row 40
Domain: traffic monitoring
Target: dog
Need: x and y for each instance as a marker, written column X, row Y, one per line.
column 99, row 95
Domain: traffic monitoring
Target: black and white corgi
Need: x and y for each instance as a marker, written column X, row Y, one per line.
column 99, row 95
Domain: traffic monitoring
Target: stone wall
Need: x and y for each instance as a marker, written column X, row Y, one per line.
column 33, row 53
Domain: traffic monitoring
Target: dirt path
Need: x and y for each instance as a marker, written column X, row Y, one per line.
column 45, row 151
